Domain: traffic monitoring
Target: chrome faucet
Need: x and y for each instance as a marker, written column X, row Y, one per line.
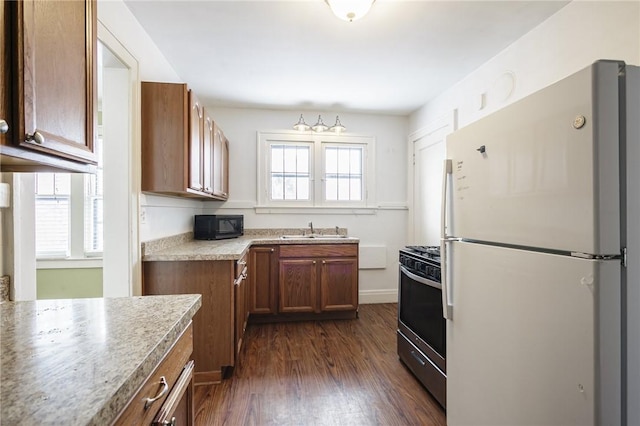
column 311, row 226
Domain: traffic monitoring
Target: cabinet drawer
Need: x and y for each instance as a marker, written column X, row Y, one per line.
column 319, row 250
column 170, row 368
column 176, row 409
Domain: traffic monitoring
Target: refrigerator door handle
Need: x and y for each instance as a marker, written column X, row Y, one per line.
column 447, row 307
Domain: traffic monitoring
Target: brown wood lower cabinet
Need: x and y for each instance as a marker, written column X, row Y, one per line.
column 219, row 325
column 304, row 282
column 214, row 323
column 168, row 391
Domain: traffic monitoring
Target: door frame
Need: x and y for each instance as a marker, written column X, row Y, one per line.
column 132, row 233
column 448, row 119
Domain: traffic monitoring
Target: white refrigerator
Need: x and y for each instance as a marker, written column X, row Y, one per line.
column 540, row 257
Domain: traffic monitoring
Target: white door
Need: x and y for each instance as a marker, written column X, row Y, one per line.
column 534, row 338
column 428, row 155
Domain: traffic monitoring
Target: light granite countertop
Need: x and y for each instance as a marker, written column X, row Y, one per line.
column 79, row 361
column 184, row 248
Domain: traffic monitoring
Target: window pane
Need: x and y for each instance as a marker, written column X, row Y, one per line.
column 44, row 184
column 331, row 160
column 277, row 164
column 277, row 188
column 302, row 165
column 62, row 183
column 290, row 192
column 356, row 189
column 343, row 189
column 52, row 226
column 303, row 188
column 343, row 173
column 290, row 166
column 331, row 185
column 290, row 159
column 356, row 161
column 343, row 161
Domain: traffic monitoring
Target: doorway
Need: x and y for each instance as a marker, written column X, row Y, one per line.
column 425, row 181
column 118, row 101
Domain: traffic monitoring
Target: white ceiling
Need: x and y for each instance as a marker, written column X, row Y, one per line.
column 296, row 55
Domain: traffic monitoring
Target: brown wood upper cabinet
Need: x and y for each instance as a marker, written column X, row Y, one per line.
column 178, row 143
column 48, row 93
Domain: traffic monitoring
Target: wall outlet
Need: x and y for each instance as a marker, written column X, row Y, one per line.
column 143, row 216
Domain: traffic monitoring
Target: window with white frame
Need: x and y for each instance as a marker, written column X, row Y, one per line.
column 53, row 214
column 314, row 170
column 69, row 213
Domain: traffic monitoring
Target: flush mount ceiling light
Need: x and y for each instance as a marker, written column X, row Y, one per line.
column 301, row 126
column 350, row 10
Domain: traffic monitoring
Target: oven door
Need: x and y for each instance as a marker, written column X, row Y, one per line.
column 420, row 315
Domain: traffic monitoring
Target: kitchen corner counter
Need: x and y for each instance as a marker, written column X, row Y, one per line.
column 80, row 361
column 187, row 249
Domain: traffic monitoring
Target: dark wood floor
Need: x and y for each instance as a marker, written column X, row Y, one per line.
column 342, row 372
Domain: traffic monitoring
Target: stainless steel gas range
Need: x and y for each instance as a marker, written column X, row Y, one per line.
column 421, row 325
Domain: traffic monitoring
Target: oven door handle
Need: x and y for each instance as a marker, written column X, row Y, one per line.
column 420, row 279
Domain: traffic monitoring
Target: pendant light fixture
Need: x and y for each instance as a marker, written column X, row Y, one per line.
column 338, row 127
column 350, row 10
column 301, row 125
column 319, row 127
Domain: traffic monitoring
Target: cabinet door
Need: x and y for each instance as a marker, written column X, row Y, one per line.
column 207, row 154
column 240, row 290
column 298, row 286
column 55, row 76
column 339, row 284
column 5, row 76
column 263, row 280
column 220, row 164
column 196, row 140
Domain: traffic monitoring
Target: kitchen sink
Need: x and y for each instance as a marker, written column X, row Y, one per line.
column 316, row 236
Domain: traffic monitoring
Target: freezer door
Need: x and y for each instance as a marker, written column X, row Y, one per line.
column 543, row 172
column 535, row 339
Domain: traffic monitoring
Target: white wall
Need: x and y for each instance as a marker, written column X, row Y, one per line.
column 160, row 216
column 568, row 41
column 385, row 228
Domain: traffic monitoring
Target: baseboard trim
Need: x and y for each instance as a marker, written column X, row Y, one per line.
column 378, row 296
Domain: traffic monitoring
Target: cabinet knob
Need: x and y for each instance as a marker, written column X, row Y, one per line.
column 314, row 262
column 4, row 126
column 36, row 137
column 324, row 261
column 272, row 250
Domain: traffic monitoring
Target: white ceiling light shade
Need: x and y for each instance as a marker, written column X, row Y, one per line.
column 301, row 126
column 338, row 127
column 350, row 10
column 319, row 126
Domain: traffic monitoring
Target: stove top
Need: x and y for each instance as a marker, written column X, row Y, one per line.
column 430, row 252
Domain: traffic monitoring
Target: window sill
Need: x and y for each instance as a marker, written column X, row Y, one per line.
column 80, row 263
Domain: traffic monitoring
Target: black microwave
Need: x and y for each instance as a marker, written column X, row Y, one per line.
column 217, row 227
